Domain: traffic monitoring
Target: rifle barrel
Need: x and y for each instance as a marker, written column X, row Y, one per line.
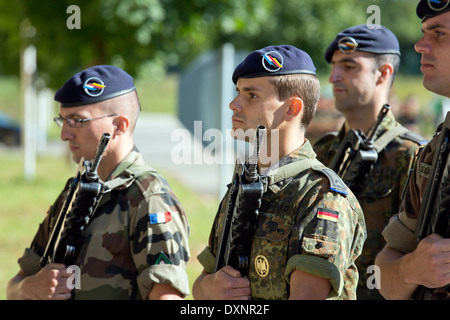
column 251, row 173
column 92, row 172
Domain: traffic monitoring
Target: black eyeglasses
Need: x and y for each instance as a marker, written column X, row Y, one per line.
column 77, row 123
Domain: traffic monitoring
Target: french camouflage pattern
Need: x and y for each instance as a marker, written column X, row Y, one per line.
column 124, row 253
column 289, row 231
column 382, row 190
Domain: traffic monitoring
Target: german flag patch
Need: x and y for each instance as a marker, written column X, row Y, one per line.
column 327, row 214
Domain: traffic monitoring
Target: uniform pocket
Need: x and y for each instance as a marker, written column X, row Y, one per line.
column 269, row 257
column 274, row 228
column 321, row 246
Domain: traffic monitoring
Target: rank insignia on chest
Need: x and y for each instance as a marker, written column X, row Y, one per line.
column 327, row 214
column 159, row 217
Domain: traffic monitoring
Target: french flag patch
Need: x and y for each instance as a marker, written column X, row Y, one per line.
column 159, row 217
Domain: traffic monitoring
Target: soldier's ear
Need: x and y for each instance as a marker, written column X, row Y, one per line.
column 122, row 124
column 294, row 108
column 386, row 72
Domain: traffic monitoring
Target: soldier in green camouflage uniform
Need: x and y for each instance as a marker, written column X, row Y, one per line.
column 406, row 263
column 352, row 69
column 128, row 251
column 310, row 227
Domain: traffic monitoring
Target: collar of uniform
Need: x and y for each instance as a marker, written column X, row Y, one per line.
column 129, row 160
column 388, row 123
column 303, row 152
column 121, row 177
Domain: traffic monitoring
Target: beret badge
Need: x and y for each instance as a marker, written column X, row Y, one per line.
column 438, row 5
column 347, row 44
column 94, row 86
column 272, row 61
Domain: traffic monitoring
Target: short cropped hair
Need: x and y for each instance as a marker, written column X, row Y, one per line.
column 304, row 86
column 392, row 59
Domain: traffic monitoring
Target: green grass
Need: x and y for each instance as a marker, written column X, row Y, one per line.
column 24, row 205
column 158, row 95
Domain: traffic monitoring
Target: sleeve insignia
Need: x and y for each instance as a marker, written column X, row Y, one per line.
column 327, row 214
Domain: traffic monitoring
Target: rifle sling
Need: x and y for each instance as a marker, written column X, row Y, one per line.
column 294, row 168
column 387, row 137
column 290, row 170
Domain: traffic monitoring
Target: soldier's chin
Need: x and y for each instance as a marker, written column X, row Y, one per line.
column 243, row 135
column 76, row 158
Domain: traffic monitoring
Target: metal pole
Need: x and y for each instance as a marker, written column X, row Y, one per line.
column 226, row 95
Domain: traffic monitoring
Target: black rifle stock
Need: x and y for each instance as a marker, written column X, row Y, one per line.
column 242, row 213
column 84, row 192
column 356, row 155
column 434, row 214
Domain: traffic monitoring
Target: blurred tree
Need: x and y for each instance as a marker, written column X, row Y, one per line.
column 151, row 35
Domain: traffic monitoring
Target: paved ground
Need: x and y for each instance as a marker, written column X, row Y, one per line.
column 153, row 137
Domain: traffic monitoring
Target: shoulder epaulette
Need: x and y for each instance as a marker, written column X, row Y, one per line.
column 336, row 183
column 294, row 168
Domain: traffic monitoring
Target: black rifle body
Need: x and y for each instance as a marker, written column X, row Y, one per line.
column 241, row 217
column 83, row 195
column 356, row 155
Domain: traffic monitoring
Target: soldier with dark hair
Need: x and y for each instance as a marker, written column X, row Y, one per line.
column 136, row 243
column 405, row 262
column 364, row 62
column 310, row 228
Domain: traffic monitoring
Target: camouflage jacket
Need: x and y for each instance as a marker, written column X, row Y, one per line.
column 127, row 247
column 400, row 232
column 302, row 224
column 382, row 191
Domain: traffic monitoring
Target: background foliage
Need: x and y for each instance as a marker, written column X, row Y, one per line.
column 153, row 35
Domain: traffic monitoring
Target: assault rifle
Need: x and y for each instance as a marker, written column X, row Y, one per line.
column 243, row 208
column 356, row 154
column 434, row 214
column 81, row 200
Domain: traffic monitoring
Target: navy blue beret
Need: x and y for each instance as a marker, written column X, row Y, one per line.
column 274, row 61
column 94, row 85
column 430, row 8
column 379, row 40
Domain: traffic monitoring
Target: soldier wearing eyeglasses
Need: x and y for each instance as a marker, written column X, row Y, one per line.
column 128, row 251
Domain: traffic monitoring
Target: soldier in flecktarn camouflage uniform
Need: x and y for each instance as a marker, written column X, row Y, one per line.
column 409, row 262
column 135, row 245
column 364, row 62
column 310, row 228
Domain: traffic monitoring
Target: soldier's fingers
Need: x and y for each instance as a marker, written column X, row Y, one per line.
column 231, row 272
column 241, row 294
column 57, row 266
column 62, row 296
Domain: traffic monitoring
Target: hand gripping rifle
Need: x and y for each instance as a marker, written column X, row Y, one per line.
column 82, row 198
column 434, row 214
column 356, row 154
column 243, row 209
